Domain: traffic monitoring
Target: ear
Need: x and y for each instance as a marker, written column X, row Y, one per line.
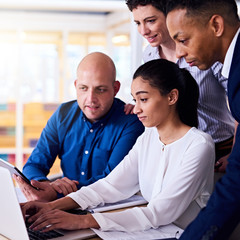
column 173, row 97
column 116, row 87
column 217, row 25
column 75, row 83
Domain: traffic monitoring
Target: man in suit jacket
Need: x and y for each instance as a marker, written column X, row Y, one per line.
column 206, row 31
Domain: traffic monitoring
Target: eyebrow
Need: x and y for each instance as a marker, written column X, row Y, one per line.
column 140, row 92
column 84, row 85
column 176, row 35
column 146, row 18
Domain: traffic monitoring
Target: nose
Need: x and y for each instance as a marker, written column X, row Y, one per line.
column 180, row 51
column 91, row 96
column 136, row 109
column 143, row 30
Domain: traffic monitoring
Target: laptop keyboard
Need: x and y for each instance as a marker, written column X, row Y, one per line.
column 38, row 235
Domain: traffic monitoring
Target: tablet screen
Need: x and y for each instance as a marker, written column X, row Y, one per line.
column 14, row 170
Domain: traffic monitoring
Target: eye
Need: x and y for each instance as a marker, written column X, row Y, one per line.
column 143, row 99
column 82, row 88
column 151, row 20
column 101, row 90
column 137, row 23
column 182, row 41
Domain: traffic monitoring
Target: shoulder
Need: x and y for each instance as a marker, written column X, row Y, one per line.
column 67, row 109
column 120, row 117
column 67, row 105
column 149, row 136
column 199, row 137
column 118, row 110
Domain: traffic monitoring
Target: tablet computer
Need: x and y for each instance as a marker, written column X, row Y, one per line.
column 14, row 170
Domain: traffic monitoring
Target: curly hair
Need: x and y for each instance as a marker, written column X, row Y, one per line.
column 158, row 4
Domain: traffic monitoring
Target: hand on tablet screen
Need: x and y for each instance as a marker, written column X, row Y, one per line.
column 43, row 191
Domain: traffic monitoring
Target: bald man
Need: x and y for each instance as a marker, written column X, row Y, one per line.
column 90, row 135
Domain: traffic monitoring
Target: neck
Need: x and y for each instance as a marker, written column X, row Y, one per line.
column 172, row 132
column 168, row 51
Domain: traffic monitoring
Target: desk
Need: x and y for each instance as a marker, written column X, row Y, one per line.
column 116, row 210
column 165, row 231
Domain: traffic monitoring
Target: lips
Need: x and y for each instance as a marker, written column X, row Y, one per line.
column 191, row 63
column 92, row 108
column 141, row 118
column 151, row 39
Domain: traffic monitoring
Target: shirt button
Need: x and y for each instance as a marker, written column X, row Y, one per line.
column 91, row 130
column 86, row 152
column 82, row 173
column 101, row 124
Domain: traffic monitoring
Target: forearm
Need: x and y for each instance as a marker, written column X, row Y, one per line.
column 33, row 173
column 65, row 203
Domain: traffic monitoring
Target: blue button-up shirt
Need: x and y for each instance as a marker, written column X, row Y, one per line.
column 88, row 151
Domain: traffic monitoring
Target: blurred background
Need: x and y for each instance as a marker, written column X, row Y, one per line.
column 41, row 44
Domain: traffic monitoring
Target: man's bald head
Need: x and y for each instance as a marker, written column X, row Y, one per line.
column 96, row 85
column 98, row 61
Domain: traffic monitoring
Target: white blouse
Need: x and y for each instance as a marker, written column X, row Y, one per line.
column 176, row 179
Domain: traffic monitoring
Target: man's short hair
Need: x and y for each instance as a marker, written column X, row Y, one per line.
column 158, row 4
column 206, row 8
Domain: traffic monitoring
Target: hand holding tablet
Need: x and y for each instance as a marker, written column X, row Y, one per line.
column 14, row 170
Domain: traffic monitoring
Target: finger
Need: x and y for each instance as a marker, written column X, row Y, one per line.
column 218, row 164
column 47, row 221
column 36, row 216
column 23, row 210
column 67, row 186
column 28, row 192
column 127, row 111
column 56, row 187
column 72, row 185
column 125, row 108
column 76, row 182
column 28, row 208
column 40, row 185
column 39, row 224
column 222, row 168
column 63, row 188
column 20, row 181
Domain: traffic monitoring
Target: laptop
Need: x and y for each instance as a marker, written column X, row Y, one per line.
column 12, row 225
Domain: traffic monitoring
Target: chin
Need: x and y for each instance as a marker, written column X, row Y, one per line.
column 204, row 66
column 154, row 44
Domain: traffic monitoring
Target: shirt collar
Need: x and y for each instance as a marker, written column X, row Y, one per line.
column 101, row 121
column 228, row 58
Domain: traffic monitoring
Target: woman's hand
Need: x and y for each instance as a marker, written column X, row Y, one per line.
column 34, row 209
column 128, row 108
column 57, row 219
column 221, row 164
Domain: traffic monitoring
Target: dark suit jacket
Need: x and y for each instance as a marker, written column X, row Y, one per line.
column 222, row 213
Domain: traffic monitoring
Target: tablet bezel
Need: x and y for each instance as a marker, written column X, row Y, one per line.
column 14, row 170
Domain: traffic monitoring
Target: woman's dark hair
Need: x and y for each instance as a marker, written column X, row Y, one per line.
column 158, row 4
column 165, row 76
